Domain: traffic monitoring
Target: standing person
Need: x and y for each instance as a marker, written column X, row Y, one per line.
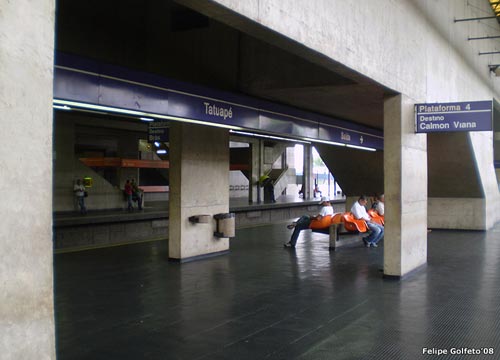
column 377, row 230
column 268, row 185
column 317, row 191
column 128, row 194
column 79, row 191
column 322, row 220
column 137, row 194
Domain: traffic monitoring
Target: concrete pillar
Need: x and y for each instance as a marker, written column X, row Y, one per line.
column 308, row 169
column 262, row 170
column 199, row 185
column 405, row 182
column 255, row 170
column 26, row 270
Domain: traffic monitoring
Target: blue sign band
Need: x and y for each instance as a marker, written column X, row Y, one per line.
column 82, row 80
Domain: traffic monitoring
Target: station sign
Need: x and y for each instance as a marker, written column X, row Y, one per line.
column 158, row 131
column 212, row 111
column 457, row 116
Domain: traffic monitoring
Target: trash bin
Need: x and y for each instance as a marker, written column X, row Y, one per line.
column 225, row 225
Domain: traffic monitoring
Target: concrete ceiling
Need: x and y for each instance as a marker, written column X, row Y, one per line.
column 198, row 41
column 287, row 72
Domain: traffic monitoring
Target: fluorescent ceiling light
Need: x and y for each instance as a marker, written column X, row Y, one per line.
column 98, row 107
column 267, row 136
column 325, row 142
column 157, row 144
column 64, row 107
column 191, row 121
column 145, row 116
column 361, row 147
column 140, row 114
column 162, row 151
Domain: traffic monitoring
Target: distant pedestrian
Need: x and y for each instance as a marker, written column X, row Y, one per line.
column 268, row 185
column 80, row 194
column 317, row 192
column 128, row 191
column 137, row 194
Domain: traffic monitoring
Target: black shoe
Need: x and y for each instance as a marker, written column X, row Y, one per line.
column 367, row 244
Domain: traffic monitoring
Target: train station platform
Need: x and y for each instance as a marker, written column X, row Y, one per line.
column 100, row 228
column 262, row 301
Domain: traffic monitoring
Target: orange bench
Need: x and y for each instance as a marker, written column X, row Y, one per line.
column 376, row 217
column 343, row 224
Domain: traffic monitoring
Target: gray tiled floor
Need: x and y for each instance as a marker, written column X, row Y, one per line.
column 265, row 302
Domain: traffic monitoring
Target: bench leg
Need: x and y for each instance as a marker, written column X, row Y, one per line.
column 334, row 233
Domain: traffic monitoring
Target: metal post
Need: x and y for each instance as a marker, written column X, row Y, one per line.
column 477, row 18
column 484, row 37
column 489, row 53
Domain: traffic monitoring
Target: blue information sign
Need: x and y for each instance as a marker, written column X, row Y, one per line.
column 158, row 131
column 458, row 116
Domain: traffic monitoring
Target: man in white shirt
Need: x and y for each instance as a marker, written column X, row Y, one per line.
column 305, row 222
column 379, row 205
column 377, row 230
column 79, row 191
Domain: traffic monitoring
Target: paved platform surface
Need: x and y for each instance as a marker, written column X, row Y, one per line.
column 265, row 302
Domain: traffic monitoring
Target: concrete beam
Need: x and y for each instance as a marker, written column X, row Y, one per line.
column 356, row 171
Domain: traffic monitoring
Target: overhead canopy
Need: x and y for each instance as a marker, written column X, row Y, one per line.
column 83, row 83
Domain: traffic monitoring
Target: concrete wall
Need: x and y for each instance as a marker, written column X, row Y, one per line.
column 413, row 47
column 451, row 160
column 356, row 171
column 26, row 273
column 238, row 185
column 121, row 231
column 199, row 185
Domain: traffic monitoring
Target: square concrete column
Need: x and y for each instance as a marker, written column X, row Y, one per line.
column 307, row 180
column 199, row 185
column 405, row 182
column 256, row 166
column 26, row 259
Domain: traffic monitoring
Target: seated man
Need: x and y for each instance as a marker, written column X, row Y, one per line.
column 378, row 205
column 377, row 231
column 320, row 221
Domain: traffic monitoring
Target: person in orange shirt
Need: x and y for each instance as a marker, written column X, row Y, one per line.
column 320, row 221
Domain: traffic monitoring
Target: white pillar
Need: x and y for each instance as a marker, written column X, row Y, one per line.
column 308, row 172
column 405, row 183
column 199, row 185
column 26, row 263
